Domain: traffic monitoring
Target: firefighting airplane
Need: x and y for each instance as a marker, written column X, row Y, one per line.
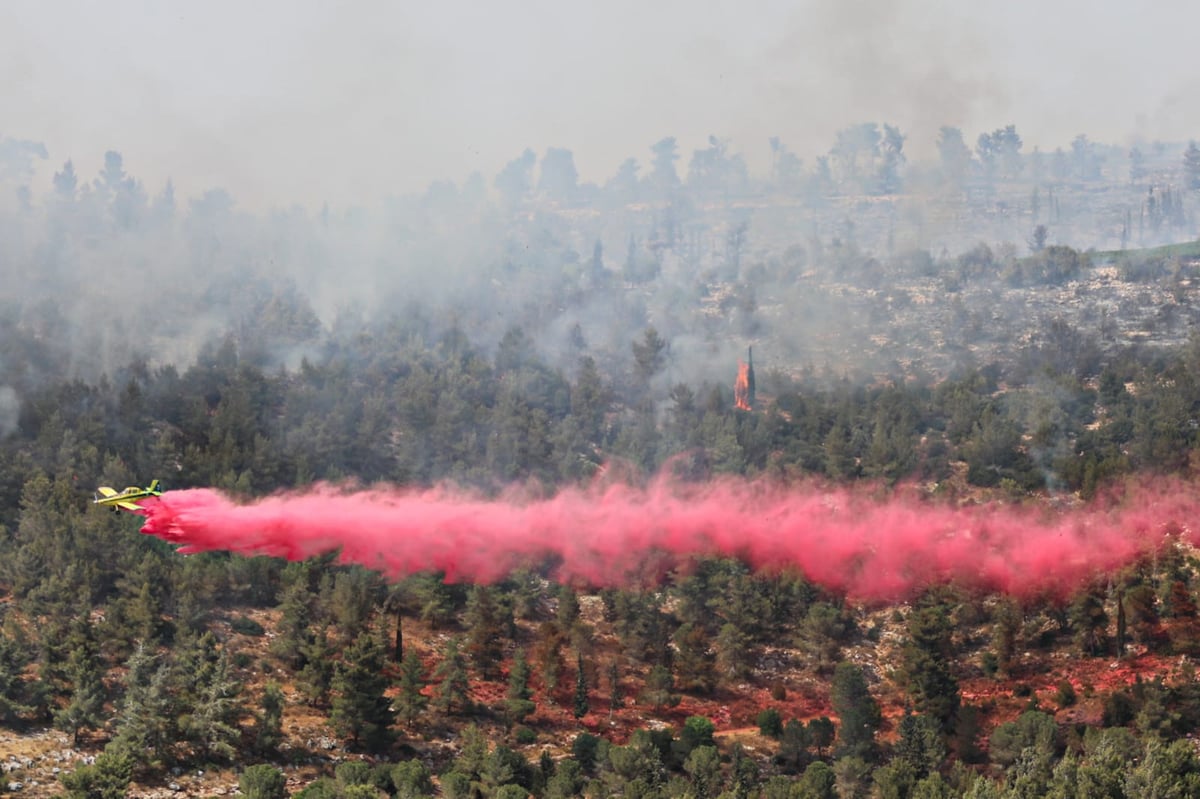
column 127, row 499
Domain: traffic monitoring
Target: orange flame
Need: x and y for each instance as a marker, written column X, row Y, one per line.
column 741, row 387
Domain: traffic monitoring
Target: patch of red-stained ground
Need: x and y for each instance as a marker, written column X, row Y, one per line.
column 1036, row 677
column 1093, row 679
column 732, row 711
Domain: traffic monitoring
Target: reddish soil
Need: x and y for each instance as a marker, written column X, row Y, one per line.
column 311, row 748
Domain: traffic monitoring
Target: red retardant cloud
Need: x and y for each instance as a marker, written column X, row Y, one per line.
column 844, row 540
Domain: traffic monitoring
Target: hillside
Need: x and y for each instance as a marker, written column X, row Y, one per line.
column 783, row 663
column 937, row 540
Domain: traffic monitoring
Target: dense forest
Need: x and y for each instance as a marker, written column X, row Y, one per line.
column 157, row 343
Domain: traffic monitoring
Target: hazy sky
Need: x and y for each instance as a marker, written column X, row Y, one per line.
column 303, row 101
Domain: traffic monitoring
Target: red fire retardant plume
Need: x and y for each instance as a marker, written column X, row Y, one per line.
column 844, row 540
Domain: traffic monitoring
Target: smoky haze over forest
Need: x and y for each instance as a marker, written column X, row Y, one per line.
column 799, row 180
column 284, row 103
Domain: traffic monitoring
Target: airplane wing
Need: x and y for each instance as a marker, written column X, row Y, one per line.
column 126, row 500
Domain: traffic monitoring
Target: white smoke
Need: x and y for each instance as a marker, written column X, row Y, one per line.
column 9, row 406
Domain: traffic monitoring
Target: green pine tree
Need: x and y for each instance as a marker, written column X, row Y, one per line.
column 315, row 679
column 263, row 781
column 85, row 708
column 107, row 778
column 453, row 688
column 857, row 709
column 485, row 637
column 147, row 725
column 615, row 697
column 360, row 710
column 212, row 725
column 269, row 726
column 660, row 689
column 517, row 700
column 927, row 659
column 293, row 634
column 581, row 690
column 410, row 702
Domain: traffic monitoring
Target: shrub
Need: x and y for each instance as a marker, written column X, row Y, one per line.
column 246, row 626
column 770, row 723
column 1065, row 695
column 353, row 772
column 1119, row 709
column 263, row 782
column 584, row 749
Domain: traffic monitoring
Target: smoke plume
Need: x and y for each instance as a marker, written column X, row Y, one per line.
column 10, row 407
column 849, row 541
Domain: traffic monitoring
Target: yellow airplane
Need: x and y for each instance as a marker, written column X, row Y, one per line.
column 127, row 499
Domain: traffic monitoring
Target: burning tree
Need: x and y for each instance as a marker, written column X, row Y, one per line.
column 743, row 388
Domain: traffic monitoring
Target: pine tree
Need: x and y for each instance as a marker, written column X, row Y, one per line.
column 822, row 633
column 453, row 688
column 744, row 774
column 293, row 635
column 107, row 778
column 821, row 730
column 473, row 752
column 694, row 662
column 703, row 765
column 410, row 702
column 141, row 609
column 263, row 781
column 147, row 723
column 697, row 731
column 857, row 709
column 566, row 782
column 269, row 727
column 920, row 744
column 397, row 601
column 1089, row 621
column 795, row 740
column 567, row 613
column 411, row 779
column 315, row 679
column 1006, row 626
column 660, row 688
column 1139, row 602
column 212, row 725
column 503, row 773
column 85, row 708
column 360, row 709
column 434, row 598
column 191, row 610
column 352, row 600
column 547, row 654
column 485, row 642
column 18, row 696
column 615, row 698
column 517, row 703
column 1191, row 166
column 927, row 659
column 581, row 690
column 733, row 652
